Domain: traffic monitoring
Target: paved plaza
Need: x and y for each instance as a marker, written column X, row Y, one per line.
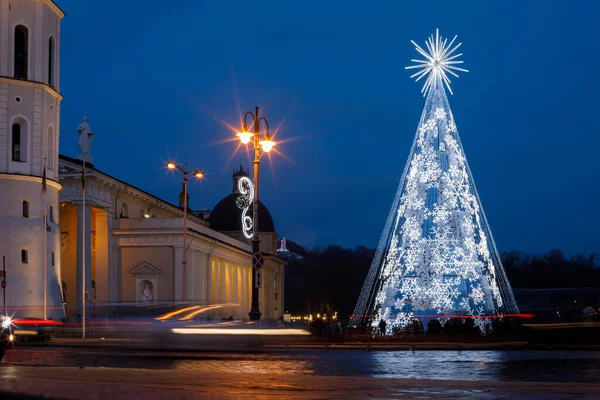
column 114, row 383
column 100, row 372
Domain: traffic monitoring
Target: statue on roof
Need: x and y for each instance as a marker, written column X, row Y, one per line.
column 85, row 136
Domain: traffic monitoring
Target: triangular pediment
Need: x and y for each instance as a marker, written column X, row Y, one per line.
column 145, row 268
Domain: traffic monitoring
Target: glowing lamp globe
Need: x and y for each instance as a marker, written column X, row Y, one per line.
column 267, row 144
column 198, row 174
column 171, row 165
column 244, row 135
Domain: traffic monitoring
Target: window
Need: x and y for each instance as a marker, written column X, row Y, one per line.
column 21, row 44
column 25, row 209
column 52, row 258
column 24, row 256
column 51, row 214
column 51, row 149
column 19, row 139
column 124, row 211
column 51, row 61
column 16, row 142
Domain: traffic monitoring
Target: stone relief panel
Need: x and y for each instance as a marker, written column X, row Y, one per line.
column 70, row 190
column 99, row 193
column 94, row 194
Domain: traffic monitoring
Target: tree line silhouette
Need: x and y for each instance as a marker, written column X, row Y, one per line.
column 328, row 279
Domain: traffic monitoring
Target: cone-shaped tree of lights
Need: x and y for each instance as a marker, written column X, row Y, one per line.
column 436, row 257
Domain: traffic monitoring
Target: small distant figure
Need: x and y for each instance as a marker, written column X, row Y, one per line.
column 382, row 325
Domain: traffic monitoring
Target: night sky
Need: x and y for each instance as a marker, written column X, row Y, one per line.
column 160, row 80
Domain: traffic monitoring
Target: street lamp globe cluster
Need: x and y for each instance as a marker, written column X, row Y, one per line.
column 266, row 144
column 185, row 174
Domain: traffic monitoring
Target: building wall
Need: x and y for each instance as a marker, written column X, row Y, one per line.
column 25, row 282
column 218, row 267
column 162, row 258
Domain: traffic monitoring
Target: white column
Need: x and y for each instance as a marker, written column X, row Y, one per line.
column 222, row 287
column 201, row 278
column 178, row 281
column 234, row 290
column 247, row 291
column 281, row 289
column 190, row 276
column 243, row 300
column 113, row 265
column 35, row 68
column 212, row 289
column 4, row 32
column 88, row 256
column 228, row 287
column 211, row 282
column 240, row 287
column 265, row 294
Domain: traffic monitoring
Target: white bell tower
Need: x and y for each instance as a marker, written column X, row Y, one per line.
column 29, row 132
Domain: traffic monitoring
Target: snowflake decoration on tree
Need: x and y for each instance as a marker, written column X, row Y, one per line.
column 436, row 255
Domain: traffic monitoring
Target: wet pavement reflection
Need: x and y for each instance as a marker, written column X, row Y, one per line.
column 545, row 366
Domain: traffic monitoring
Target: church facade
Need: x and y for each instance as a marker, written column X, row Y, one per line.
column 126, row 242
column 134, row 252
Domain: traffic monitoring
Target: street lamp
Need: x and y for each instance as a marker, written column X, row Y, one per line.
column 265, row 145
column 197, row 174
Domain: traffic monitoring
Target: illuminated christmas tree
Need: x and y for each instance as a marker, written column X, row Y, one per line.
column 436, row 257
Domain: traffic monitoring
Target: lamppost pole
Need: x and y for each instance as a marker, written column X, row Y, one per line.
column 184, row 257
column 185, row 175
column 265, row 145
column 255, row 313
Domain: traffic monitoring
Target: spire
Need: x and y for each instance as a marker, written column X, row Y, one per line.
column 181, row 202
column 237, row 174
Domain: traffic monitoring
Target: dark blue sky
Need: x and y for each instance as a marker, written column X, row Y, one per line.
column 155, row 79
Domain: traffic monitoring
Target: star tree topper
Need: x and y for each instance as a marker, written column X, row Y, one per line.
column 438, row 62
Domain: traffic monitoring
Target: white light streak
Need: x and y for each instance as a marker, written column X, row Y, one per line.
column 240, row 331
column 438, row 62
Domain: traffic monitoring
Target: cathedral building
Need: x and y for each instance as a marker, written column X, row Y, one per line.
column 29, row 131
column 128, row 242
column 135, row 249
